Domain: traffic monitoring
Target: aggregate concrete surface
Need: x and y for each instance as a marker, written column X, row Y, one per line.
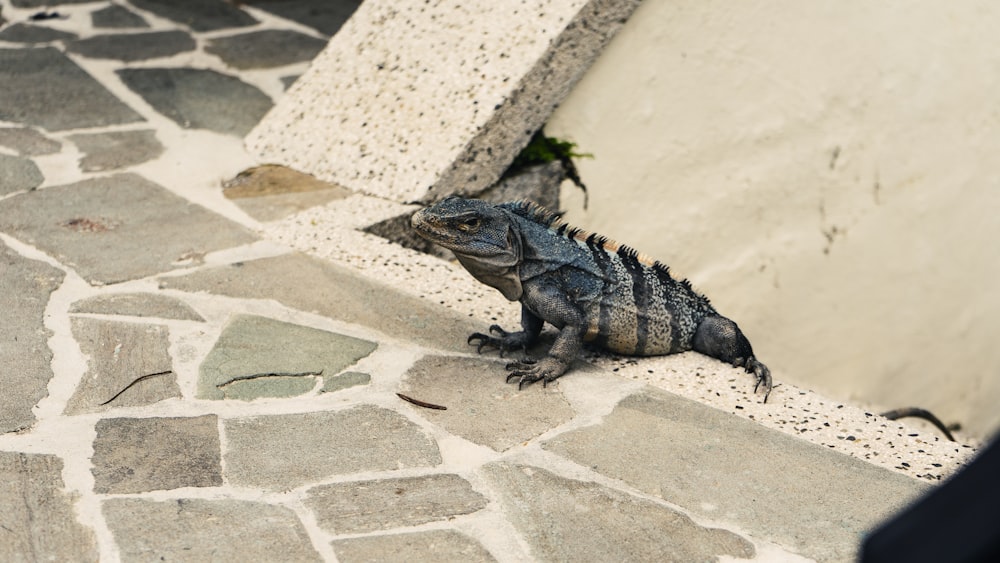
column 193, row 373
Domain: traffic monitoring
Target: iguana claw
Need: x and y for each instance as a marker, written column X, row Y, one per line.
column 504, row 341
column 763, row 376
column 546, row 370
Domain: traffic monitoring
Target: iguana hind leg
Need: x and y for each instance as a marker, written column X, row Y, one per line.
column 722, row 339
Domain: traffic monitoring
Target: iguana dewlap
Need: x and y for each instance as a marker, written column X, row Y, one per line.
column 590, row 288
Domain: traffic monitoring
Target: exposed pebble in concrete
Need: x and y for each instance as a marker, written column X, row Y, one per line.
column 137, row 305
column 27, row 141
column 260, row 357
column 199, row 15
column 482, row 406
column 27, row 33
column 27, row 285
column 118, row 227
column 271, row 192
column 278, row 206
column 115, row 150
column 273, row 179
column 115, row 16
column 336, row 292
column 206, row 530
column 136, row 455
column 122, row 360
column 325, row 17
column 433, row 545
column 199, row 98
column 265, row 49
column 286, row 451
column 18, row 174
column 43, row 87
column 130, row 47
column 37, row 520
column 567, row 520
column 768, row 483
column 367, row 506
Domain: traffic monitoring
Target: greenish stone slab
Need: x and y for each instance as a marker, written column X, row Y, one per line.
column 115, row 16
column 345, row 380
column 284, row 451
column 568, row 520
column 814, row 500
column 191, row 529
column 18, row 174
column 137, row 305
column 117, row 149
column 199, row 98
column 199, row 15
column 24, row 351
column 267, row 48
column 128, row 365
column 27, row 142
column 270, row 386
column 367, row 506
column 432, row 545
column 260, row 357
column 474, row 390
column 318, row 286
column 116, row 228
column 37, row 519
column 44, row 88
column 130, row 47
column 136, row 455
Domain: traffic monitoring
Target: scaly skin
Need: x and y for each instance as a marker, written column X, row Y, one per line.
column 588, row 287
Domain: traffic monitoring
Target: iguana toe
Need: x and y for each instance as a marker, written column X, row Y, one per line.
column 547, row 370
column 763, row 376
column 503, row 342
column 484, row 340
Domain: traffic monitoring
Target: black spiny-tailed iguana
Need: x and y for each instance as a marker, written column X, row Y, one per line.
column 590, row 288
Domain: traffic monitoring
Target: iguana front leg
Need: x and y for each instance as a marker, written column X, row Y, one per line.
column 531, row 327
column 553, row 305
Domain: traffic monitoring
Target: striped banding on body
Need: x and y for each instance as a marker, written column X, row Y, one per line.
column 642, row 291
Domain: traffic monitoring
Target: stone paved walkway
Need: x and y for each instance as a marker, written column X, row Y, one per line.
column 181, row 383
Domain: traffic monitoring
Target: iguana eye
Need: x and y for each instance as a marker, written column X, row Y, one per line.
column 470, row 225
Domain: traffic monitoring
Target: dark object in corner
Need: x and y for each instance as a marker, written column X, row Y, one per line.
column 956, row 522
column 896, row 414
column 41, row 16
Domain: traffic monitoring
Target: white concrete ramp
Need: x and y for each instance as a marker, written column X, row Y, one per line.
column 413, row 99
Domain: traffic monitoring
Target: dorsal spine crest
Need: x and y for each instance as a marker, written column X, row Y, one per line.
column 546, row 218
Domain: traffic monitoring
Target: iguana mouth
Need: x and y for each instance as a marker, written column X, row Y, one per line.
column 440, row 231
column 430, row 228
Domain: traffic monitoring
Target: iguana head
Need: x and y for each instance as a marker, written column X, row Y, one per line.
column 481, row 235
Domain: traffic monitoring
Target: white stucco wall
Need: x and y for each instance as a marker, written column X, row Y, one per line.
column 827, row 172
